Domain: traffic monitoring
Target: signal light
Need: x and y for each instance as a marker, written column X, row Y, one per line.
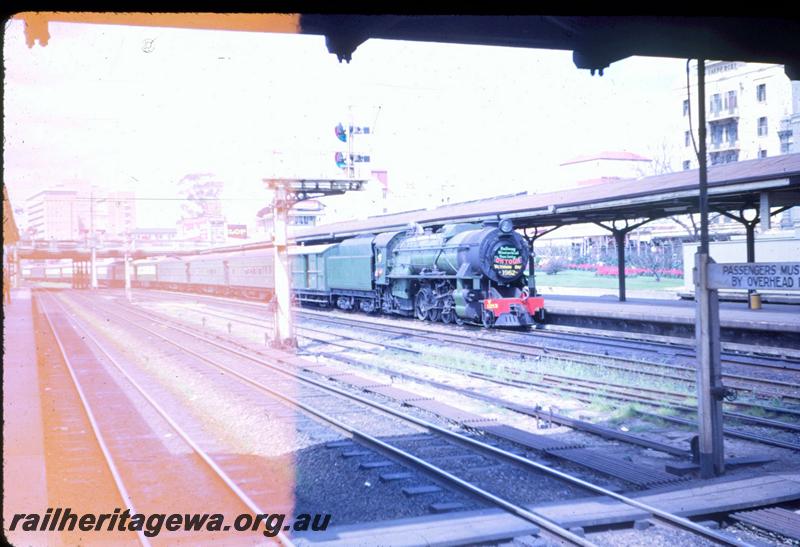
column 340, row 133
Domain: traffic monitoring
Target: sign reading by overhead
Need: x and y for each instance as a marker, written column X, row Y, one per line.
column 755, row 275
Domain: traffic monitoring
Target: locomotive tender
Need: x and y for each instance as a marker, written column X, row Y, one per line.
column 461, row 273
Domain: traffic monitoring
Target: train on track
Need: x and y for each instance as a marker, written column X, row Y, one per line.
column 461, row 273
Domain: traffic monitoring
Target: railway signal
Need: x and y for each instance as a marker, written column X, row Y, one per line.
column 340, row 133
column 346, row 160
column 287, row 192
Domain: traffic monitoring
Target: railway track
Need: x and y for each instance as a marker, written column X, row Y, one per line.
column 758, row 357
column 123, row 436
column 786, row 390
column 510, row 346
column 754, row 356
column 284, row 366
column 658, row 398
column 215, row 354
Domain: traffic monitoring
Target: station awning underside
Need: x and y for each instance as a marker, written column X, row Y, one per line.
column 596, row 41
column 732, row 187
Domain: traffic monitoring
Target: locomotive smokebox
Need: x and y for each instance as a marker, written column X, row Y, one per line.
column 500, row 256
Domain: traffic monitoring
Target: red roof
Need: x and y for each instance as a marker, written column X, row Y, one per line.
column 627, row 156
column 599, row 180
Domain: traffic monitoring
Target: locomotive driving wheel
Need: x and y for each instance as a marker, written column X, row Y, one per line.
column 448, row 310
column 424, row 304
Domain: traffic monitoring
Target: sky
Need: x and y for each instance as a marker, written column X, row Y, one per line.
column 139, row 108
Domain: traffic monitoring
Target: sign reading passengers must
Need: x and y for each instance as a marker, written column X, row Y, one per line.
column 752, row 275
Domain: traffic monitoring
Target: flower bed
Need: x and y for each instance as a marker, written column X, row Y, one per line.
column 631, row 271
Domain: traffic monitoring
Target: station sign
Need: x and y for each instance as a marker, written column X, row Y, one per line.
column 755, row 275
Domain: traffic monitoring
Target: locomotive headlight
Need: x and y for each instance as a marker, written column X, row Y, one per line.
column 506, row 226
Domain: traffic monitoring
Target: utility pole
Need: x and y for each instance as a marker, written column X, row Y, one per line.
column 351, row 169
column 93, row 235
column 127, row 265
column 93, row 242
column 710, row 390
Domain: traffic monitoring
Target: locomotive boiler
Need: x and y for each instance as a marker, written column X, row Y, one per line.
column 463, row 273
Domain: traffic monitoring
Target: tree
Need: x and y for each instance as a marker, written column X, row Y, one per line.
column 691, row 223
column 653, row 259
column 662, row 155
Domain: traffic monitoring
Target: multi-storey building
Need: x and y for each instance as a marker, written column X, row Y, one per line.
column 752, row 111
column 120, row 208
column 53, row 214
column 749, row 111
column 63, row 213
column 789, row 132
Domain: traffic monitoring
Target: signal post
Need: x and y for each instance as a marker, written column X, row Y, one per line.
column 287, row 192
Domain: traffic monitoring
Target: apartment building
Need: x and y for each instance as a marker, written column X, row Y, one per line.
column 750, row 109
column 72, row 213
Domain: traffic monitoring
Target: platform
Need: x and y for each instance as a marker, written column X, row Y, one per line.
column 24, row 476
column 785, row 317
column 774, row 324
column 708, row 497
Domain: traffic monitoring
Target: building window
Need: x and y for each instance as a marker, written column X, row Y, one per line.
column 731, row 131
column 761, row 92
column 716, row 134
column 731, row 100
column 762, row 126
column 762, row 153
column 687, row 165
column 687, row 138
column 716, row 103
column 686, row 107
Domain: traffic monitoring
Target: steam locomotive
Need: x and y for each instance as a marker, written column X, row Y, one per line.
column 462, row 273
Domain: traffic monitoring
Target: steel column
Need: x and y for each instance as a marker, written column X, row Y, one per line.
column 750, row 229
column 766, row 217
column 531, row 239
column 619, row 238
column 532, row 269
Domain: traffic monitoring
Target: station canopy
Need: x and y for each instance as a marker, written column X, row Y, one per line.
column 732, row 187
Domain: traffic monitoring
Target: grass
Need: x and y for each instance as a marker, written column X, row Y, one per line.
column 588, row 280
column 534, row 370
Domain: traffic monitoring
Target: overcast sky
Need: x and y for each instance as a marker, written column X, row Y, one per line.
column 135, row 107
